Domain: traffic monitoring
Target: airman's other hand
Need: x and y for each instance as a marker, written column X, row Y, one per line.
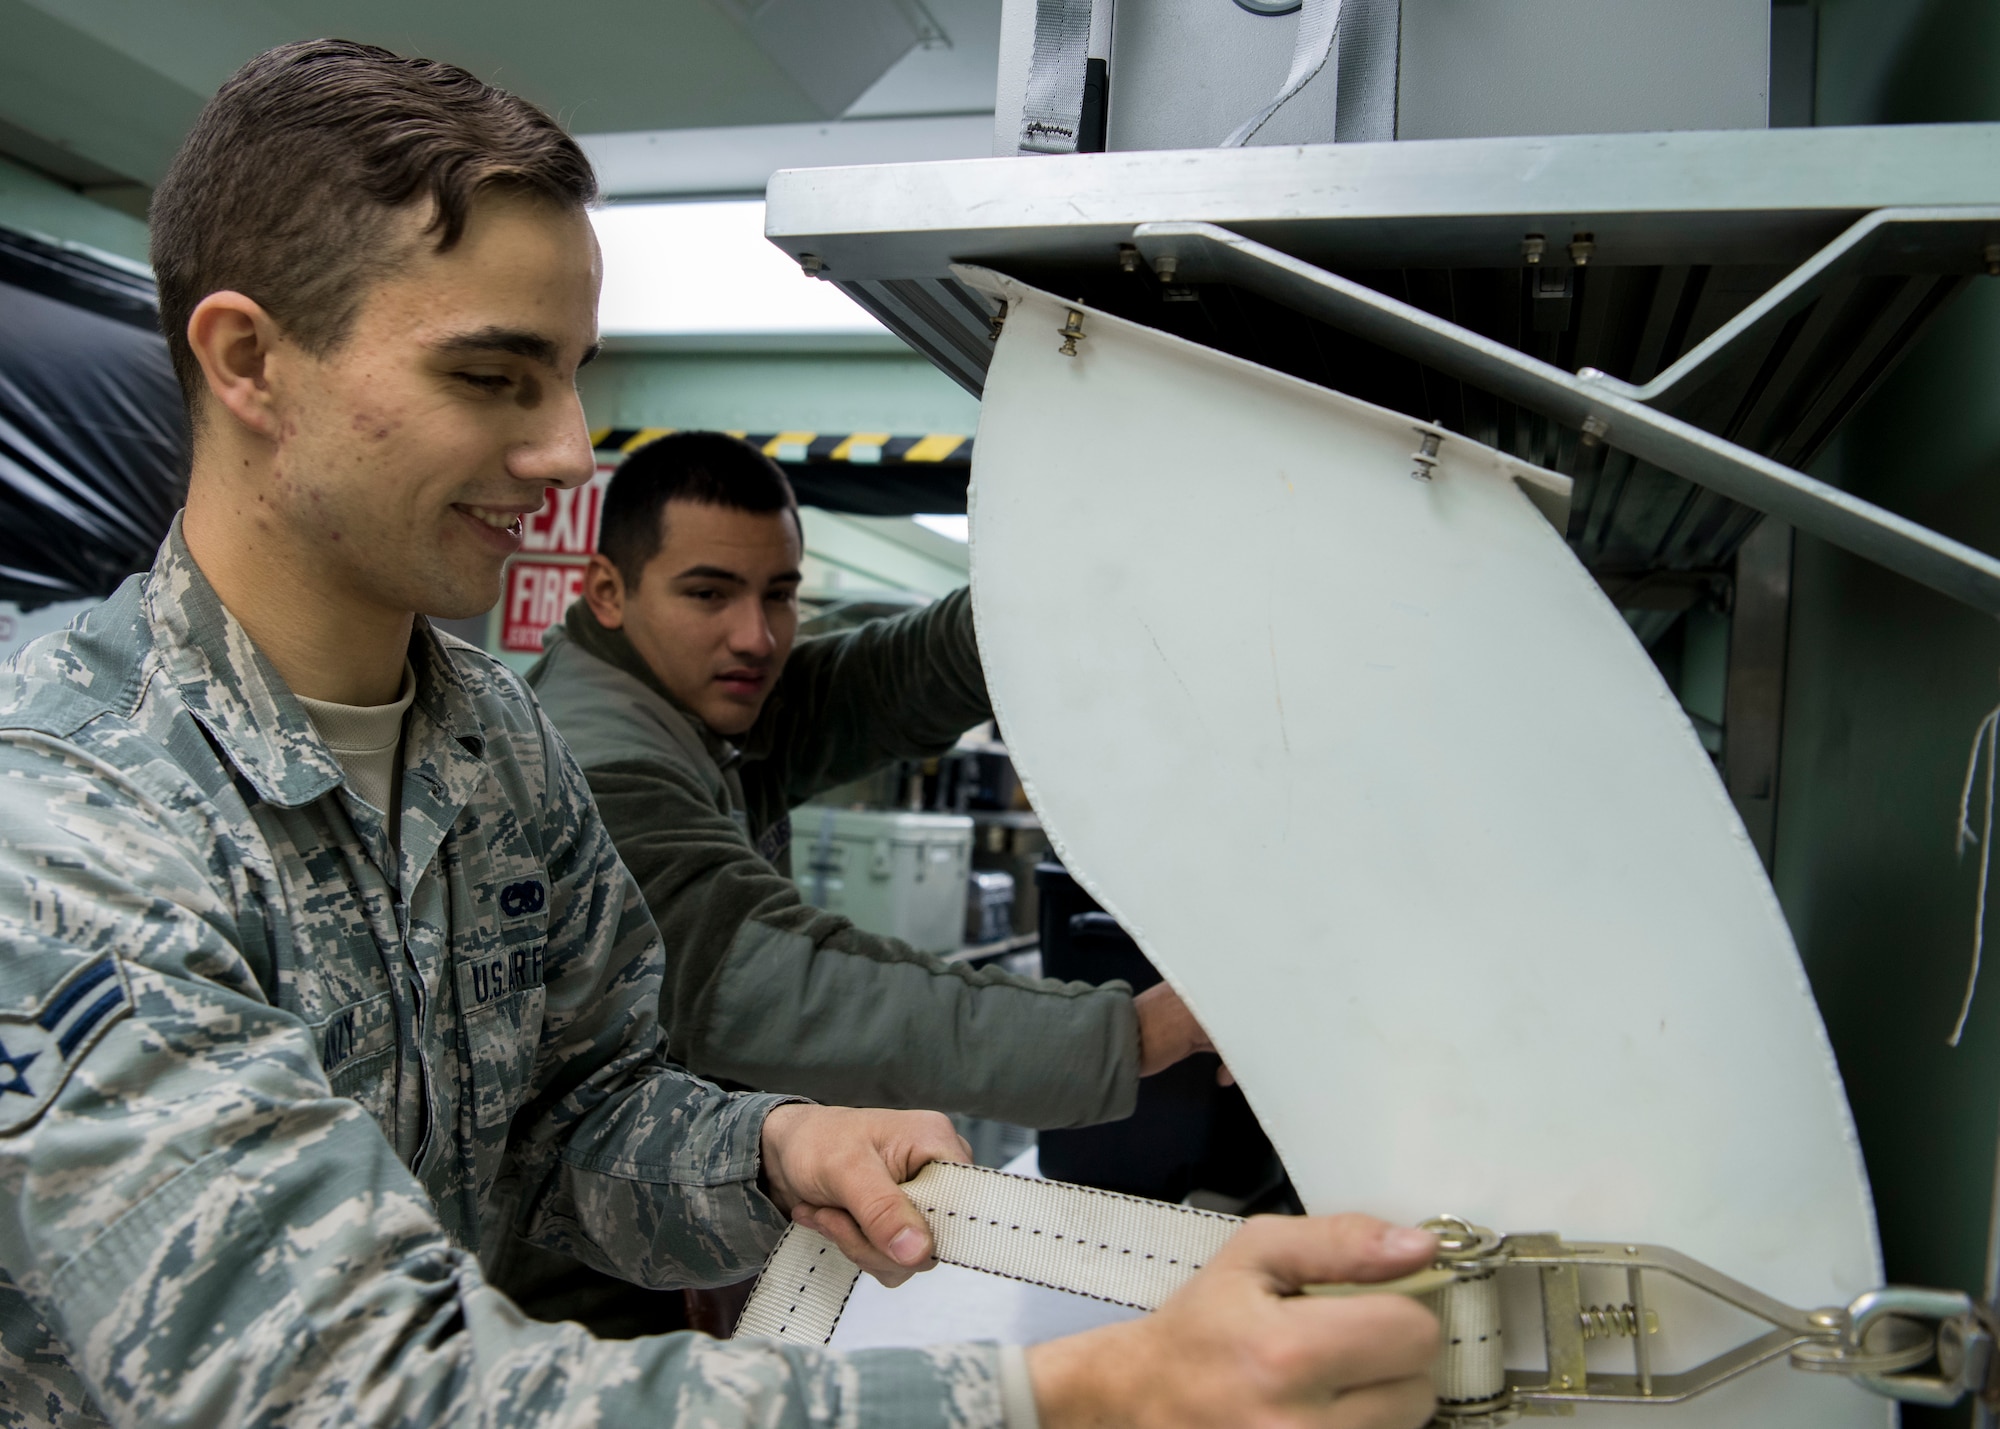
column 1168, row 1031
column 1238, row 1348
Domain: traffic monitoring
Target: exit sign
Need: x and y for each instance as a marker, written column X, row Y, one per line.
column 556, row 545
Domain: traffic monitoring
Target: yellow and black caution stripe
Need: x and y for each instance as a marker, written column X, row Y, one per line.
column 800, row 448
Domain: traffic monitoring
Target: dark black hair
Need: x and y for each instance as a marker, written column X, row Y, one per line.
column 706, row 468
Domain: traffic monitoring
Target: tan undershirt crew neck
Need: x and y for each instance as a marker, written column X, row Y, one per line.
column 368, row 742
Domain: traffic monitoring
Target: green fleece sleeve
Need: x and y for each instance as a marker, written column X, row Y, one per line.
column 764, row 989
column 903, row 688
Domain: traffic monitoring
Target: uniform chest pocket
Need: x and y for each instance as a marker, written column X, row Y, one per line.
column 357, row 1049
column 502, row 998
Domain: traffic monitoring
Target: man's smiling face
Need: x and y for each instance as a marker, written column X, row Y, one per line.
column 408, row 455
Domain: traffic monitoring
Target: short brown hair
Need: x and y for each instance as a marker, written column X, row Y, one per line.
column 288, row 185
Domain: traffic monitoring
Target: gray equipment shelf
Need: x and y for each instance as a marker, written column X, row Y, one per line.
column 1729, row 281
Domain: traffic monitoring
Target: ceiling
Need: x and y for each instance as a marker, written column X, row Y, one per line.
column 98, row 93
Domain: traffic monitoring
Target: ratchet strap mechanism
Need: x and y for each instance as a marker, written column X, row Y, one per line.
column 1919, row 1346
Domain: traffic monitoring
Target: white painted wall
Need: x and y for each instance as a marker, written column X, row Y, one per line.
column 849, row 555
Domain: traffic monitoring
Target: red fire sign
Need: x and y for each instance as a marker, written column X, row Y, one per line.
column 538, row 592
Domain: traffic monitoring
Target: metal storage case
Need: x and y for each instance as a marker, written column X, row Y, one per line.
column 900, row 874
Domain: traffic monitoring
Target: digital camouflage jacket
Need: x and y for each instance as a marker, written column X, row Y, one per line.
column 267, row 1091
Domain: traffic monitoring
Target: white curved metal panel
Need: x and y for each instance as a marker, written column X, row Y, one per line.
column 1385, row 786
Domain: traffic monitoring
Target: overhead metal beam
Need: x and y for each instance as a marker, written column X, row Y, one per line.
column 1909, row 239
column 1727, row 197
column 1203, row 252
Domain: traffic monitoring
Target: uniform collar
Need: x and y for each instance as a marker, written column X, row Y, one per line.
column 241, row 700
column 615, row 648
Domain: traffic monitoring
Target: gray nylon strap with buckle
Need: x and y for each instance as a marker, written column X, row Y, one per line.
column 1369, row 65
column 1052, row 113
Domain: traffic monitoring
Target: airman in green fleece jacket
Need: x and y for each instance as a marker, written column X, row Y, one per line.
column 699, row 727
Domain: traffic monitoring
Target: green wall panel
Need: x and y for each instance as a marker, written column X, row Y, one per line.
column 29, row 201
column 1886, row 683
column 896, row 392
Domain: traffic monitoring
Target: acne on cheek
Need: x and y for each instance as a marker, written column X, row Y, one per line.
column 375, row 426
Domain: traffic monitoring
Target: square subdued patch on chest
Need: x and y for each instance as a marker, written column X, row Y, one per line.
column 523, row 898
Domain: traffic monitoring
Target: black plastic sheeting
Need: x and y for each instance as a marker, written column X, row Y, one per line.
column 78, row 279
column 93, row 444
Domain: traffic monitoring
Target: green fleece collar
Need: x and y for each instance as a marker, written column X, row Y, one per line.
column 615, row 649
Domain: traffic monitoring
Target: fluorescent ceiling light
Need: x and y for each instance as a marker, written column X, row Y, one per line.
column 740, row 159
column 957, row 528
column 696, row 269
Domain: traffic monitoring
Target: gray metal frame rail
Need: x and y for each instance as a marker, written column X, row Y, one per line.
column 1617, row 413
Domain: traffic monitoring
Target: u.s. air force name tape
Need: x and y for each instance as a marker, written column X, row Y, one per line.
column 1121, row 1249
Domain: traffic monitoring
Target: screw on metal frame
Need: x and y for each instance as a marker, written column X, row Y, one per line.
column 1426, row 455
column 1072, row 333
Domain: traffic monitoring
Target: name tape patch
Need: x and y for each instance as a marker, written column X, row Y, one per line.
column 38, row 1050
column 776, row 840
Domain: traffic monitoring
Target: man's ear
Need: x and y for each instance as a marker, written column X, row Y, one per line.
column 604, row 592
column 233, row 339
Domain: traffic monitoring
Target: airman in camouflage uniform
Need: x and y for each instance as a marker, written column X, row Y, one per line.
column 264, row 1093
column 282, row 1065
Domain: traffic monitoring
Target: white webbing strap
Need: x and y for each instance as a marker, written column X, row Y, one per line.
column 1100, row 1244
column 1319, row 22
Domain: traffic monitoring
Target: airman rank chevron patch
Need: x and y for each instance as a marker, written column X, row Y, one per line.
column 39, row 1049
